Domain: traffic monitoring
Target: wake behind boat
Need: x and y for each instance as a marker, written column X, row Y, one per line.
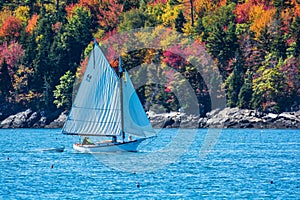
column 107, row 106
column 55, row 149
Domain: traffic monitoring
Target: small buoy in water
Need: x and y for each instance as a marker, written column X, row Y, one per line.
column 137, row 184
column 51, row 166
column 271, row 181
column 7, row 158
column 134, row 172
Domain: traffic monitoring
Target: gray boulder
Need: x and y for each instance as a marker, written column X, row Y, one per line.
column 18, row 120
column 60, row 121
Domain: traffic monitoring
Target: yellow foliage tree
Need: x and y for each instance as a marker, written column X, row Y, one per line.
column 260, row 18
column 170, row 14
column 21, row 84
column 50, row 8
column 202, row 6
column 156, row 10
column 22, row 13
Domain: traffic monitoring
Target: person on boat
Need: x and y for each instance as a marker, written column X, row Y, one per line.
column 129, row 138
column 114, row 139
column 87, row 141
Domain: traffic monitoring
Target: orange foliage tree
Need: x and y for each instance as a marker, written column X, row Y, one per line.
column 260, row 18
column 297, row 7
column 4, row 14
column 32, row 23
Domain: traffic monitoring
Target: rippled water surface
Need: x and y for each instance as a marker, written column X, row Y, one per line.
column 185, row 164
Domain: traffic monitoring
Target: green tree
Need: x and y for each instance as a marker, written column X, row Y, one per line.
column 63, row 91
column 132, row 19
column 73, row 39
column 5, row 82
column 278, row 39
column 179, row 22
column 233, row 84
column 282, row 4
column 245, row 95
column 295, row 32
column 69, row 43
column 268, row 86
column 220, row 37
column 43, row 77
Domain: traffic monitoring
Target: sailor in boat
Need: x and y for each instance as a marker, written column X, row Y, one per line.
column 129, row 138
column 87, row 141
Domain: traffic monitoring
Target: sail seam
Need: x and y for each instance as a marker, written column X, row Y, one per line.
column 82, row 134
column 95, row 108
column 94, row 121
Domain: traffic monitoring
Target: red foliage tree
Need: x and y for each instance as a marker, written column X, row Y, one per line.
column 291, row 71
column 172, row 57
column 109, row 14
column 11, row 28
column 10, row 58
column 12, row 53
column 242, row 12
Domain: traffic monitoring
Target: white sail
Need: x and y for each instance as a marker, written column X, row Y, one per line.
column 96, row 109
column 136, row 121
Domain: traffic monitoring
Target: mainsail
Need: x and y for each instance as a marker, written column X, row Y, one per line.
column 97, row 107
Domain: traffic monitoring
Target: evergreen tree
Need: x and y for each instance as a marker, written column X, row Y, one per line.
column 282, row 4
column 5, row 82
column 264, row 42
column 233, row 84
column 278, row 42
column 295, row 32
column 179, row 22
column 245, row 95
column 77, row 35
column 43, row 76
column 220, row 36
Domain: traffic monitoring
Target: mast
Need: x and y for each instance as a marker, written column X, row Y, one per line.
column 121, row 98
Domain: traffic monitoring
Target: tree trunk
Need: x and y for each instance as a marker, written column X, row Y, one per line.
column 192, row 11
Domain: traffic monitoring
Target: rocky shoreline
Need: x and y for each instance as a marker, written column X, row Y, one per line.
column 225, row 118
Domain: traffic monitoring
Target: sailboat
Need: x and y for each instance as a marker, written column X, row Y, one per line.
column 106, row 111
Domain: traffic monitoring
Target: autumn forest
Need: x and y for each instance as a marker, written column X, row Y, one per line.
column 253, row 44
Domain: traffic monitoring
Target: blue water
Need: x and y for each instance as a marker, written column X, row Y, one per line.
column 237, row 164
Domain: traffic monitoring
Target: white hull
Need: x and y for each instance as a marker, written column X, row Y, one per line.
column 108, row 147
